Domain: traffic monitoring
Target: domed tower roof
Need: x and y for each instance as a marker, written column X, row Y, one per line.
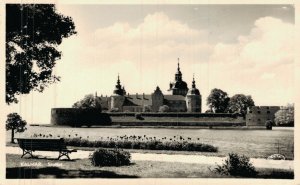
column 193, row 90
column 178, row 86
column 119, row 90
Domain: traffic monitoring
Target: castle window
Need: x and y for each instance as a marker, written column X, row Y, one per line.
column 250, row 111
column 258, row 112
column 249, row 119
column 268, row 112
column 258, row 119
column 268, row 107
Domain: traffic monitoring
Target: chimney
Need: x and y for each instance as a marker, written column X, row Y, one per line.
column 143, row 95
column 136, row 95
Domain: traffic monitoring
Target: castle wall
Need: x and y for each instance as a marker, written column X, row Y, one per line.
column 177, row 105
column 157, row 101
column 258, row 115
column 193, row 103
column 117, row 102
column 105, row 104
column 132, row 109
column 78, row 117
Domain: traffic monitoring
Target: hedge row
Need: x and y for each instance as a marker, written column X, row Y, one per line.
column 147, row 145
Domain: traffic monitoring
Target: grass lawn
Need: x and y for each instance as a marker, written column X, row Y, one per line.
column 19, row 168
column 252, row 143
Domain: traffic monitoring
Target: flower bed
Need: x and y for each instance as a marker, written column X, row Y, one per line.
column 147, row 145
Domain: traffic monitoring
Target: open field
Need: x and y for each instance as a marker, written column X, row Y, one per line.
column 81, row 168
column 253, row 143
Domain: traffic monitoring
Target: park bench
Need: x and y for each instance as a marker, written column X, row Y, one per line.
column 29, row 145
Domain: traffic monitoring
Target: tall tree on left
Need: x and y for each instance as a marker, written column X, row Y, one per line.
column 15, row 123
column 33, row 31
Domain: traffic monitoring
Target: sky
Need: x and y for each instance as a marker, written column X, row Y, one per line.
column 245, row 49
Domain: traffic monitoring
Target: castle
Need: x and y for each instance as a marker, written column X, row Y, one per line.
column 181, row 99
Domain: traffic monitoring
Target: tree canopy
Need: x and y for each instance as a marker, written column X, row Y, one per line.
column 164, row 108
column 33, row 31
column 285, row 116
column 89, row 101
column 217, row 101
column 239, row 103
column 15, row 123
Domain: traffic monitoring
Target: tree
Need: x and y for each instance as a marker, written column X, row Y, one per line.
column 239, row 103
column 15, row 123
column 285, row 116
column 269, row 124
column 89, row 101
column 217, row 101
column 147, row 108
column 164, row 108
column 33, row 31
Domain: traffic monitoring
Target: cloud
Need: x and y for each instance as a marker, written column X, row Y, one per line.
column 260, row 63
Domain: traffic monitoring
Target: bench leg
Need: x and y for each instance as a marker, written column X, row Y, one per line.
column 63, row 154
column 27, row 152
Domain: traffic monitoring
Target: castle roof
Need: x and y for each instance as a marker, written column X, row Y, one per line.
column 193, row 90
column 137, row 99
column 174, row 97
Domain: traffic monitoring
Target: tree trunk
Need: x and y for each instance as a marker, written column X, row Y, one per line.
column 12, row 135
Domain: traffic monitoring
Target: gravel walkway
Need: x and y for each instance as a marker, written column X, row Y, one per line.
column 195, row 159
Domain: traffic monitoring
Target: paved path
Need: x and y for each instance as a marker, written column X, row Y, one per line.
column 194, row 159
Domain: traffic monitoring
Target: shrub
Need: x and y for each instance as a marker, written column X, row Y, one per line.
column 110, row 157
column 147, row 108
column 237, row 165
column 269, row 124
column 114, row 110
column 164, row 108
column 138, row 116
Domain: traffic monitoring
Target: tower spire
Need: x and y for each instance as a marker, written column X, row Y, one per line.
column 178, row 68
column 193, row 83
column 118, row 81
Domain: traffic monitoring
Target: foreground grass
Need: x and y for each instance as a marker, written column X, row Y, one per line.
column 82, row 168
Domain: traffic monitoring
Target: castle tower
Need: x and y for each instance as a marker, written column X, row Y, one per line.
column 157, row 99
column 178, row 87
column 193, row 99
column 118, row 97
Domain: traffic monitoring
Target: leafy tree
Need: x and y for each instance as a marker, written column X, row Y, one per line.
column 164, row 108
column 239, row 103
column 15, row 123
column 89, row 101
column 147, row 108
column 285, row 116
column 33, row 31
column 217, row 101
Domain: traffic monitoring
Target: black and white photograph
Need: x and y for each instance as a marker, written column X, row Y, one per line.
column 149, row 90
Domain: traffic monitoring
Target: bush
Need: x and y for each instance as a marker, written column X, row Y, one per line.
column 114, row 110
column 110, row 157
column 164, row 108
column 147, row 108
column 138, row 116
column 237, row 165
column 269, row 124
